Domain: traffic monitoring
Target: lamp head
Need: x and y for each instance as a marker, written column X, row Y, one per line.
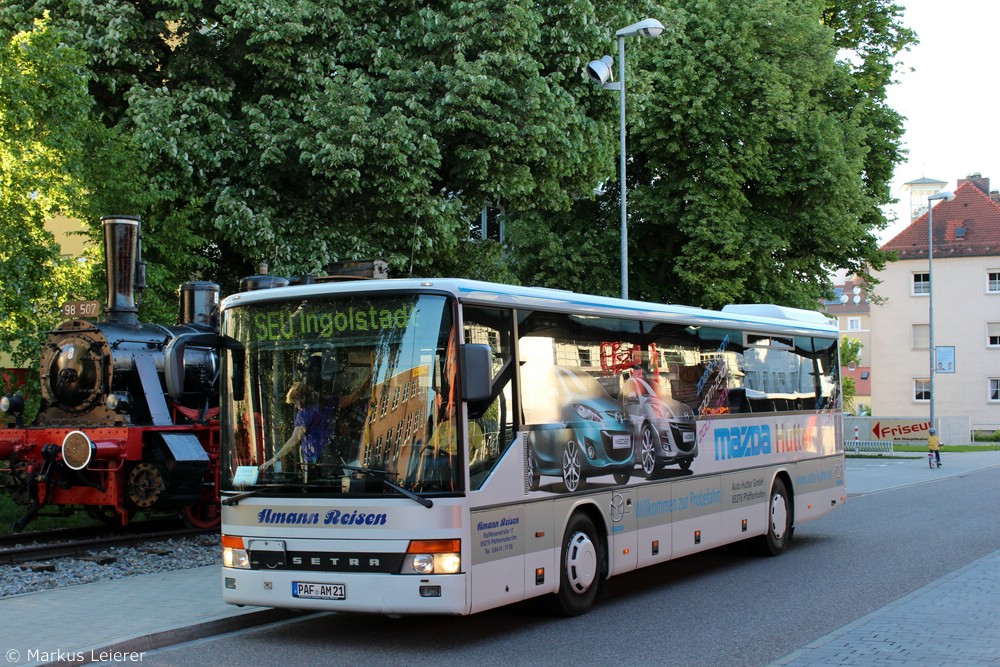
column 946, row 195
column 644, row 28
column 600, row 70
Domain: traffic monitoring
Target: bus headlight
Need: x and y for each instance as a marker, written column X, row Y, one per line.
column 433, row 557
column 234, row 554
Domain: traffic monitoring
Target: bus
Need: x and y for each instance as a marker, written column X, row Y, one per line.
column 474, row 444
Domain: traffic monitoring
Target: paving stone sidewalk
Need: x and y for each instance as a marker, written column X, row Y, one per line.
column 953, row 621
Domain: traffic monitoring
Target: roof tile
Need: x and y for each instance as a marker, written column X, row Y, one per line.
column 971, row 209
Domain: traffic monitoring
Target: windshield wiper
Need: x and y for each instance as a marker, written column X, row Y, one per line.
column 426, row 502
column 235, row 500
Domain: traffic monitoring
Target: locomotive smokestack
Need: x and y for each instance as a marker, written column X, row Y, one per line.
column 121, row 249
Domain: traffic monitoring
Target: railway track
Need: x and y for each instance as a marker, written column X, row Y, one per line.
column 86, row 542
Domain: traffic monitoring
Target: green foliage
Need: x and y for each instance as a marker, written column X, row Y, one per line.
column 848, row 391
column 305, row 132
column 11, row 512
column 568, row 250
column 45, row 135
column 759, row 157
column 850, row 351
column 56, row 157
column 753, row 153
column 301, row 133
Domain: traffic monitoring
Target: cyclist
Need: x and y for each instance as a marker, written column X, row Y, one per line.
column 934, row 445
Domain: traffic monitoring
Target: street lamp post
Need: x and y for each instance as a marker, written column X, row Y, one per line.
column 600, row 72
column 946, row 196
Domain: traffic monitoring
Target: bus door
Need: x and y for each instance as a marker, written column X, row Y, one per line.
column 496, row 475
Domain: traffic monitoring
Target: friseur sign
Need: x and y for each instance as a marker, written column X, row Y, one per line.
column 901, row 429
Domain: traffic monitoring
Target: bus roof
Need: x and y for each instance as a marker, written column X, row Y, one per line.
column 764, row 316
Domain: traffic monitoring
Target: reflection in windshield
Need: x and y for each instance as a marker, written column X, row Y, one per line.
column 338, row 388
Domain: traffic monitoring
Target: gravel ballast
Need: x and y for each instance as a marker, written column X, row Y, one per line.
column 110, row 563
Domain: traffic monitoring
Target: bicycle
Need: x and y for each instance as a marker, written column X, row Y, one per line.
column 932, row 459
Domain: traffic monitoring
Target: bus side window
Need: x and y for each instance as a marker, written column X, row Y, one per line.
column 490, row 429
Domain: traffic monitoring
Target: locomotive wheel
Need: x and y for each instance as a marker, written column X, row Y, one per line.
column 145, row 484
column 203, row 515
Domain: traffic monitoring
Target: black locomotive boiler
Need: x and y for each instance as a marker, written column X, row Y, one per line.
column 129, row 410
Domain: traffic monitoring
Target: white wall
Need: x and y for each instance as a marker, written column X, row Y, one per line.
column 962, row 307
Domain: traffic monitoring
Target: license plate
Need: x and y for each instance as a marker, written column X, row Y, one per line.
column 621, row 441
column 303, row 589
column 689, row 436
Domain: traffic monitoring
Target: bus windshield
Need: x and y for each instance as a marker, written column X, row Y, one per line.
column 349, row 394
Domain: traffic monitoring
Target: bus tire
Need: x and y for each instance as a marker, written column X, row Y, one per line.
column 582, row 566
column 779, row 521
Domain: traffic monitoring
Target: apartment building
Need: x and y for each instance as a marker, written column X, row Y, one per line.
column 964, row 269
column 850, row 307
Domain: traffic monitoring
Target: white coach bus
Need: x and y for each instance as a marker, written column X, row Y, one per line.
column 448, row 446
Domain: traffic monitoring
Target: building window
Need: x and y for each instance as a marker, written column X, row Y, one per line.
column 854, row 324
column 922, row 389
column 993, row 282
column 993, row 334
column 585, row 359
column 994, row 395
column 921, row 337
column 921, row 283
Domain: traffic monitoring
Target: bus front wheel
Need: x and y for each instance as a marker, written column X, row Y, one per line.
column 583, row 566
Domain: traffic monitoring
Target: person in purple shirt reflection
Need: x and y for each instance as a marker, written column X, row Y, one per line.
column 313, row 422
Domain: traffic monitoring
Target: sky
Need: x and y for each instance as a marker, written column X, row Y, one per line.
column 950, row 98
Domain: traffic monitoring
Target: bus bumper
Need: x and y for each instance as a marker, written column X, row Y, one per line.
column 368, row 593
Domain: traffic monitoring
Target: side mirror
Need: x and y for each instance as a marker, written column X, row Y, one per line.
column 477, row 372
column 238, row 371
column 173, row 359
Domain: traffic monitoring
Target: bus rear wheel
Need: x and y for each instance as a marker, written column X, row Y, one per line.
column 583, row 565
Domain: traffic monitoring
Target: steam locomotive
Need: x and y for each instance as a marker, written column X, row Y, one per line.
column 129, row 410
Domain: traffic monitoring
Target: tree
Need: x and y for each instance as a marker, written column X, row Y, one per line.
column 850, row 355
column 311, row 131
column 759, row 157
column 305, row 132
column 44, row 132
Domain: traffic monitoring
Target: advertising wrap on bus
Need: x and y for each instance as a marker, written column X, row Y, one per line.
column 448, row 446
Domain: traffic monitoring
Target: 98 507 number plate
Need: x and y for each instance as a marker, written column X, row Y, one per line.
column 305, row 589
